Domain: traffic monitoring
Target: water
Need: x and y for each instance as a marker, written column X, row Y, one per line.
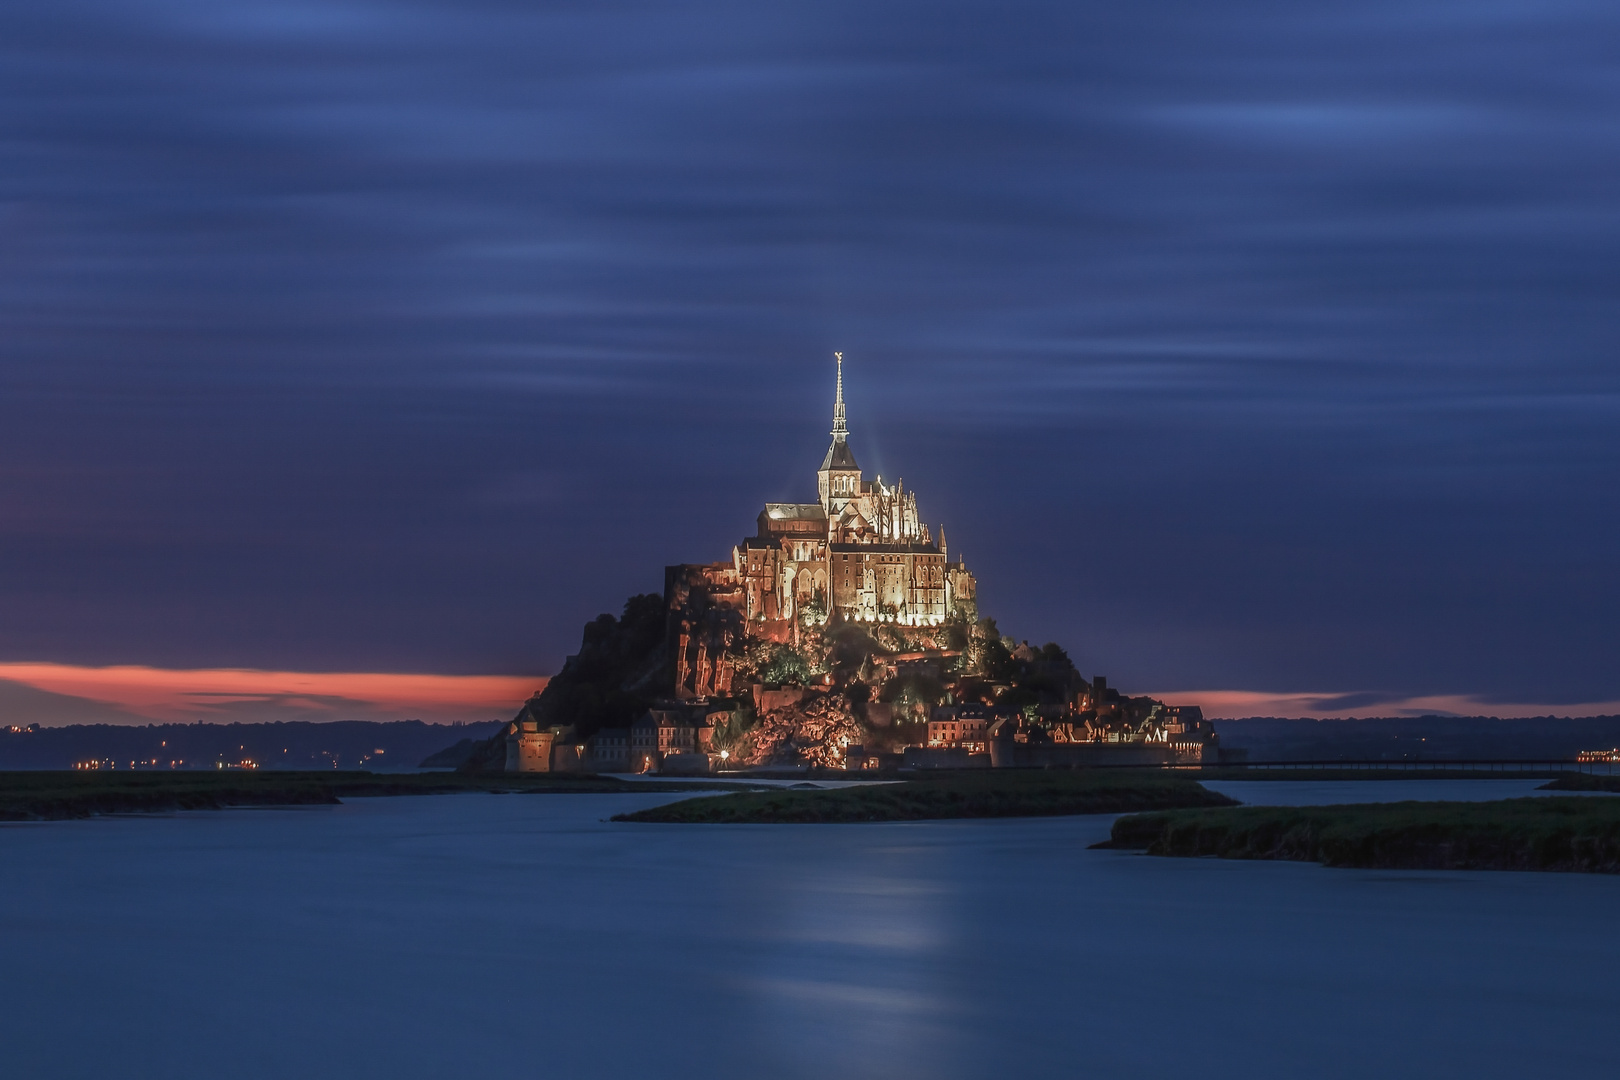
column 522, row 936
column 1329, row 792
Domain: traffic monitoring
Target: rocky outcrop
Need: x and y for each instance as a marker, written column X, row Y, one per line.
column 815, row 730
column 621, row 669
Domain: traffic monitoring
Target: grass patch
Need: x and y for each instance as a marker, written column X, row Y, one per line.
column 1568, row 834
column 49, row 796
column 980, row 793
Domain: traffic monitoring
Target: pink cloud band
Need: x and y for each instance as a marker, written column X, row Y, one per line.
column 162, row 694
column 1230, row 704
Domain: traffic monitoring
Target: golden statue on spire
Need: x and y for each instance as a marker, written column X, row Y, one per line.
column 840, row 429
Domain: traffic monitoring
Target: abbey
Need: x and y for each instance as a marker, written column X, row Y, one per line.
column 860, row 553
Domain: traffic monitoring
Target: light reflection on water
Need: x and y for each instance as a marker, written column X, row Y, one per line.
column 410, row 937
column 846, row 952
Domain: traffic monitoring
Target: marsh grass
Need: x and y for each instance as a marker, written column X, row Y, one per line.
column 1561, row 834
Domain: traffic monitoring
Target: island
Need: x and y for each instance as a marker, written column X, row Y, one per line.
column 845, row 634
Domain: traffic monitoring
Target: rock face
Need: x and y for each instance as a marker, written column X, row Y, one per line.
column 814, row 731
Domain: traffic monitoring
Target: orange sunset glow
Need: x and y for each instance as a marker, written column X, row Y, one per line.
column 168, row 695
column 1235, row 704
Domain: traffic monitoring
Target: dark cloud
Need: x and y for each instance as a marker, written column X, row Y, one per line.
column 1248, row 345
column 21, row 704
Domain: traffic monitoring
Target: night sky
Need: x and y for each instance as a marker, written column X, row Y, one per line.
column 1245, row 346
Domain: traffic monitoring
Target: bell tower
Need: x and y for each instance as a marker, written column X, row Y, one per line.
column 839, row 478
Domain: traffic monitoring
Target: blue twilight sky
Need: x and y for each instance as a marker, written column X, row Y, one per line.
column 1265, row 346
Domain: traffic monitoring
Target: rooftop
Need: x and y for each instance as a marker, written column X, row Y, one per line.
column 795, row 512
column 839, row 456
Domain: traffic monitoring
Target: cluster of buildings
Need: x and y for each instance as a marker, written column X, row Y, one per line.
column 1099, row 726
column 677, row 738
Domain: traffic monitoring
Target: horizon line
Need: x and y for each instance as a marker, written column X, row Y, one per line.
column 140, row 693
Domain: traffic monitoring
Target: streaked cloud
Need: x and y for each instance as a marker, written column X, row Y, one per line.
column 1255, row 344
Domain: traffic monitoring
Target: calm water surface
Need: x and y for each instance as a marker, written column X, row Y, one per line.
column 522, row 936
column 1329, row 792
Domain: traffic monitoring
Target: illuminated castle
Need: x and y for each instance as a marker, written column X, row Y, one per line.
column 860, row 554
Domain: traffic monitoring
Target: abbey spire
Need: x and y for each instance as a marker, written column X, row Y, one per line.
column 839, row 478
column 840, row 430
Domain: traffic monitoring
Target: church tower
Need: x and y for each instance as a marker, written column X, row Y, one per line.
column 839, row 478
